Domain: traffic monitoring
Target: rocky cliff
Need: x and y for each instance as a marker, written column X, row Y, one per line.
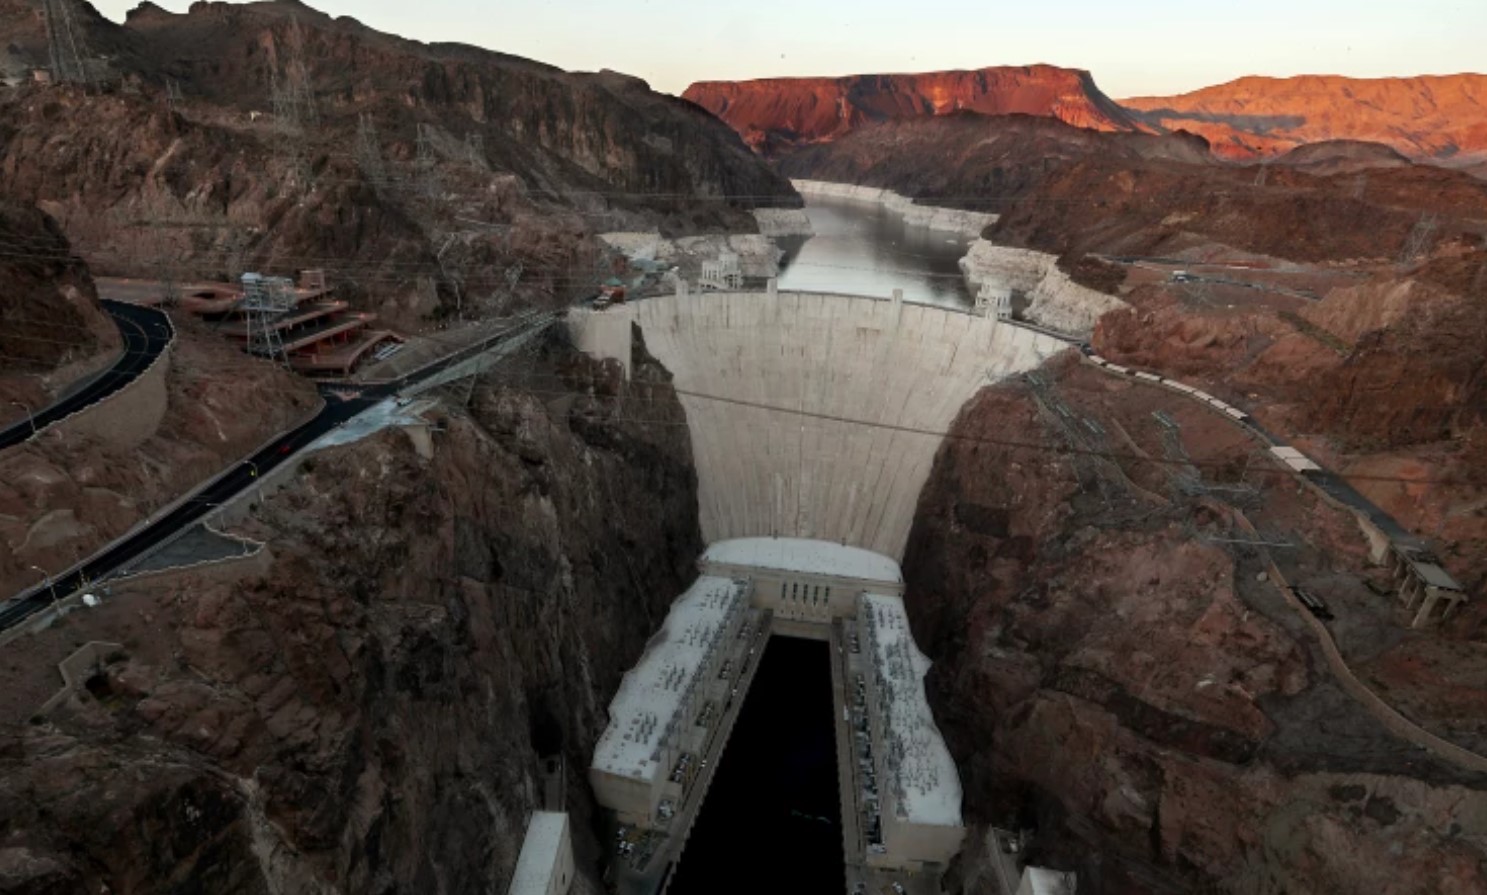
column 52, row 329
column 778, row 114
column 1116, row 676
column 365, row 710
column 1427, row 117
column 393, row 162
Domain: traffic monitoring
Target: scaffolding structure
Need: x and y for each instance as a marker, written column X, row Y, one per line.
column 265, row 302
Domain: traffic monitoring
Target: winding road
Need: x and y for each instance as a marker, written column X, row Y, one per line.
column 146, row 333
column 341, row 404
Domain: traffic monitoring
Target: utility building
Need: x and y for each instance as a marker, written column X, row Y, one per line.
column 671, row 718
column 917, row 787
column 664, row 722
column 545, row 866
column 804, row 584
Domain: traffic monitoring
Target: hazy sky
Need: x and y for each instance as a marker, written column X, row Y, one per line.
column 1132, row 46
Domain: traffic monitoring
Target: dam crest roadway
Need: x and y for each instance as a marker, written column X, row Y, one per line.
column 814, row 421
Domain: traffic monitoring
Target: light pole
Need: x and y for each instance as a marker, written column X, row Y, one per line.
column 51, row 588
column 30, row 417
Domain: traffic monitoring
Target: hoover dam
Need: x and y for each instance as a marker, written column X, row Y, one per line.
column 816, row 415
column 814, row 419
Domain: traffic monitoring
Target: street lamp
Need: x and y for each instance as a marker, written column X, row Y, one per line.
column 30, row 417
column 50, row 587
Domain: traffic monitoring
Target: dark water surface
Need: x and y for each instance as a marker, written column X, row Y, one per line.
column 863, row 248
column 771, row 824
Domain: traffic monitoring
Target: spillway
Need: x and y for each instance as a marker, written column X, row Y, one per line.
column 815, row 415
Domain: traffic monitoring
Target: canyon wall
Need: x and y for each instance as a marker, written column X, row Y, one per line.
column 52, row 329
column 367, row 714
column 776, row 114
column 1115, row 677
column 1431, row 117
column 817, row 416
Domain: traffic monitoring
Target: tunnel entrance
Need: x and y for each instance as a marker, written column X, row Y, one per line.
column 772, row 821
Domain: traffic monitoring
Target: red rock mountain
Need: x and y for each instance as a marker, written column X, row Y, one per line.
column 1439, row 118
column 780, row 113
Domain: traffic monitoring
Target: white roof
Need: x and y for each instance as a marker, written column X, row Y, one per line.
column 656, row 689
column 1435, row 576
column 539, row 853
column 1042, row 881
column 923, row 773
column 806, row 556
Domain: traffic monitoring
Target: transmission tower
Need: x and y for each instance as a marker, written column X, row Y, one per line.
column 1263, row 174
column 293, row 99
column 475, row 148
column 1419, row 240
column 1360, row 186
column 369, row 152
column 423, row 162
column 172, row 95
column 68, row 50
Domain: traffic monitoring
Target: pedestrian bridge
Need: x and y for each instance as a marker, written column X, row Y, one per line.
column 815, row 415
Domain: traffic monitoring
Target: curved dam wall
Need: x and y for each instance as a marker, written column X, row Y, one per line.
column 816, row 416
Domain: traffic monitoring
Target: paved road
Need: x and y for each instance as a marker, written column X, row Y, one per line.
column 146, row 333
column 239, row 478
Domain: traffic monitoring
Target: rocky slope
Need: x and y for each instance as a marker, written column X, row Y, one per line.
column 364, row 713
column 520, row 162
column 778, row 114
column 1112, row 675
column 1139, row 194
column 52, row 329
column 63, row 498
column 1427, row 117
column 982, row 161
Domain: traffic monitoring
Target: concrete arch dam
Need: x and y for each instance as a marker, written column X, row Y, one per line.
column 814, row 415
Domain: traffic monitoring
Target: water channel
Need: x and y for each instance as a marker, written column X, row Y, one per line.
column 772, row 820
column 864, row 248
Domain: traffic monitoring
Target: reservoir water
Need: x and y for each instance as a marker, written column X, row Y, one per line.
column 863, row 248
column 771, row 823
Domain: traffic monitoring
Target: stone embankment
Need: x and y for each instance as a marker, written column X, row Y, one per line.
column 776, row 222
column 1056, row 301
column 949, row 220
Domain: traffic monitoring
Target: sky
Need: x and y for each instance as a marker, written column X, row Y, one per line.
column 1133, row 47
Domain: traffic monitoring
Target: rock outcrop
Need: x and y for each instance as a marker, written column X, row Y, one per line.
column 1112, row 675
column 1431, row 117
column 1054, row 300
column 776, row 114
column 397, row 147
column 367, row 712
column 52, row 329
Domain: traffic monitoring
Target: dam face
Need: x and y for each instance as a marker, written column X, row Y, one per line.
column 815, row 415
